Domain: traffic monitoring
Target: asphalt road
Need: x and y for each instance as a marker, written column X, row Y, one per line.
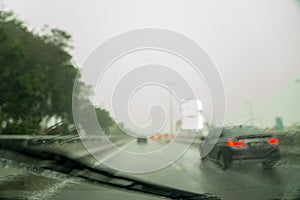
column 241, row 181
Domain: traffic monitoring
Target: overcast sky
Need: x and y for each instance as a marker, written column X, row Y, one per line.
column 255, row 44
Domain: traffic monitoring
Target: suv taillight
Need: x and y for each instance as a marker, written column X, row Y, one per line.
column 273, row 141
column 235, row 143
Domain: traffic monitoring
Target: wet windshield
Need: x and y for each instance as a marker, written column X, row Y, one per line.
column 243, row 131
column 148, row 99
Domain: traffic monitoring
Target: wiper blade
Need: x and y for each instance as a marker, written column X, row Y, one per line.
column 64, row 164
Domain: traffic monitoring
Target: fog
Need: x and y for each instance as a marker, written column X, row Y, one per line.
column 255, row 44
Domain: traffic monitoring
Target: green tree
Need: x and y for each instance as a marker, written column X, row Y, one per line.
column 104, row 119
column 36, row 74
column 37, row 77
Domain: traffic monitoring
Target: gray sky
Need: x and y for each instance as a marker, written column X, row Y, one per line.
column 254, row 44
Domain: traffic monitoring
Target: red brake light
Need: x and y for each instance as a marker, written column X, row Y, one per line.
column 273, row 141
column 232, row 143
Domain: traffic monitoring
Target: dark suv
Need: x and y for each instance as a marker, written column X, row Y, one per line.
column 242, row 143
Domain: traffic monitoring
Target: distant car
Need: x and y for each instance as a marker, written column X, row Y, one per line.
column 141, row 140
column 241, row 144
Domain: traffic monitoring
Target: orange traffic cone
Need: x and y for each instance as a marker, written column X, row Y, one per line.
column 154, row 137
column 161, row 136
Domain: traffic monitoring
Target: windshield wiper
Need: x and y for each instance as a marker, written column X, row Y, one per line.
column 64, row 164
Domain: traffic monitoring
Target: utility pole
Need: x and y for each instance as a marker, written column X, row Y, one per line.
column 250, row 111
column 170, row 84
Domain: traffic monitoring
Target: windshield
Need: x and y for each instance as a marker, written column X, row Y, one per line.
column 168, row 99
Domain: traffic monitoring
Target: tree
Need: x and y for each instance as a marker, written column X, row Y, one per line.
column 37, row 77
column 36, row 74
column 104, row 119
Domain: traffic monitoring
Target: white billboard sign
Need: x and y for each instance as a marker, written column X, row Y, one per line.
column 191, row 117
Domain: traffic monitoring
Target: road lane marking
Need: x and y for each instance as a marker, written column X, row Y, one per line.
column 106, row 158
column 177, row 167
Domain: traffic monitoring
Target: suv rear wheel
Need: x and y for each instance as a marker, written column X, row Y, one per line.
column 223, row 161
column 268, row 165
